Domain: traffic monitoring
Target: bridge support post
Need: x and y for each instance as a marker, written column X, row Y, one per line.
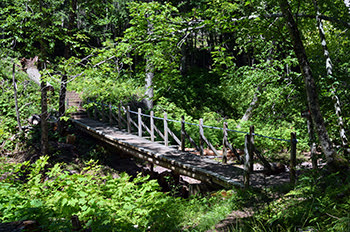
column 128, row 119
column 201, row 135
column 120, row 115
column 224, row 148
column 139, row 119
column 183, row 133
column 152, row 125
column 166, row 142
column 293, row 153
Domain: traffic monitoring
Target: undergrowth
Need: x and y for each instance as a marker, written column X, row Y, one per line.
column 50, row 194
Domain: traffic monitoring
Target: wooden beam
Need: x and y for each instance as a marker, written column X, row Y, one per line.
column 139, row 120
column 166, row 142
column 152, row 125
column 224, row 147
column 183, row 136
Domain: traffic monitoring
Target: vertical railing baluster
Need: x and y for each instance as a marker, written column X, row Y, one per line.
column 128, row 119
column 152, row 125
column 182, row 133
column 139, row 118
column 201, row 134
column 120, row 115
column 224, row 142
column 166, row 129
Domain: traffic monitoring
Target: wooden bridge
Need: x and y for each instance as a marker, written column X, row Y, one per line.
column 107, row 126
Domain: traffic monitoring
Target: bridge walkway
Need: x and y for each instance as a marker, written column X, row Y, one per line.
column 182, row 163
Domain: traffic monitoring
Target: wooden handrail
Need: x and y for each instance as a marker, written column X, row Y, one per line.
column 249, row 147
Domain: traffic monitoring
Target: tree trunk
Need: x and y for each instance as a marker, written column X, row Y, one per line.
column 149, row 74
column 253, row 104
column 15, row 96
column 310, row 86
column 329, row 68
column 347, row 4
column 62, row 103
column 67, row 54
column 149, row 85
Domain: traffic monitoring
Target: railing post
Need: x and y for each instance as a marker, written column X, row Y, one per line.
column 152, row 125
column 95, row 112
column 120, row 115
column 251, row 148
column 246, row 161
column 166, row 129
column 139, row 118
column 182, row 133
column 110, row 114
column 201, row 135
column 128, row 120
column 224, row 148
column 293, row 153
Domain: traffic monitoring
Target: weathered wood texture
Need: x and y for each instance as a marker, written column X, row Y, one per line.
column 238, row 175
column 180, row 162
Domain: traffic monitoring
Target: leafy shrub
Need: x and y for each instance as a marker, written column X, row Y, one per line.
column 52, row 194
column 320, row 201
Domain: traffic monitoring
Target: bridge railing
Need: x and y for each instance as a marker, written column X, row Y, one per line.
column 127, row 120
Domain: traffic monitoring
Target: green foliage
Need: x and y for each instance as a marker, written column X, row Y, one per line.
column 319, row 201
column 51, row 195
column 28, row 102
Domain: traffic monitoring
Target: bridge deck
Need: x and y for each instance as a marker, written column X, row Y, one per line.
column 183, row 163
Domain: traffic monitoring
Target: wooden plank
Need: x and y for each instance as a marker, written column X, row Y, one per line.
column 266, row 164
column 158, row 131
column 177, row 140
column 228, row 144
column 134, row 123
column 204, row 139
column 191, row 165
column 191, row 141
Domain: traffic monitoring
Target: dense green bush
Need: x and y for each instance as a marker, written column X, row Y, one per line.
column 28, row 95
column 52, row 194
column 320, row 201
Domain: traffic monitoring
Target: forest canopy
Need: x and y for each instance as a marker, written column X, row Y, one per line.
column 237, row 59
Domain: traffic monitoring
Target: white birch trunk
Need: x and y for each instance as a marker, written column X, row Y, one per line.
column 329, row 68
